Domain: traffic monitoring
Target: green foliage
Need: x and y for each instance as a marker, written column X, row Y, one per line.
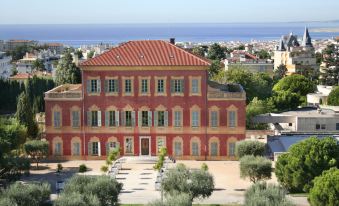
column 67, row 72
column 59, row 167
column 284, row 101
column 216, row 52
column 79, row 54
column 180, row 199
column 280, row 72
column 204, row 167
column 214, row 68
column 104, row 188
column 38, row 65
column 9, row 92
column 161, row 158
column 326, row 189
column 113, row 155
column 90, row 54
column 256, row 107
column 82, row 168
column 249, row 147
column 330, row 74
column 26, row 194
column 199, row 51
column 77, row 199
column 306, row 160
column 255, row 84
column 104, row 168
column 196, row 183
column 255, row 168
column 333, row 97
column 36, row 150
column 263, row 54
column 295, row 84
column 264, row 194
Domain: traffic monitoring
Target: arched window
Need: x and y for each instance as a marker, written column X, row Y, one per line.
column 214, row 146
column 111, row 144
column 57, row 146
column 177, row 146
column 76, row 146
column 195, row 146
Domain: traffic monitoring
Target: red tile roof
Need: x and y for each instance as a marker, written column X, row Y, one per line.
column 20, row 76
column 146, row 53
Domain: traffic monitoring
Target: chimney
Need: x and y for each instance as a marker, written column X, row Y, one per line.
column 172, row 41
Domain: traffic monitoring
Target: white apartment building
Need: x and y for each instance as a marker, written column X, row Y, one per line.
column 5, row 65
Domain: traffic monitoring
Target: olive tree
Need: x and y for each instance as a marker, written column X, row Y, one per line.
column 37, row 150
column 255, row 168
column 247, row 147
column 264, row 194
column 326, row 189
column 306, row 160
column 89, row 188
column 196, row 183
column 179, row 199
column 26, row 194
column 77, row 199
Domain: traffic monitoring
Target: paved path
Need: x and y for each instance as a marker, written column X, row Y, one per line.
column 138, row 177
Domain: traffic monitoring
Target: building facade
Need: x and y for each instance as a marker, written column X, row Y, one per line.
column 298, row 58
column 5, row 65
column 141, row 96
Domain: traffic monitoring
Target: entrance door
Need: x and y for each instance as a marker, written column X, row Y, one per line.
column 144, row 146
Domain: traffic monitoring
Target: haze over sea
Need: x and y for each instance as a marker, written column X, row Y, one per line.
column 88, row 34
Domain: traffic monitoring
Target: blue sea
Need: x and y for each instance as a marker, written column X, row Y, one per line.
column 89, row 34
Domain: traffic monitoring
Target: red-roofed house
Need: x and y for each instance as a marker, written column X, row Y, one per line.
column 141, row 96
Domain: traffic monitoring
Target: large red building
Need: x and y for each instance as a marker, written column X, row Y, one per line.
column 141, row 96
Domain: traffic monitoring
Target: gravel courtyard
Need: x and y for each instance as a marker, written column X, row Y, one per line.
column 138, row 177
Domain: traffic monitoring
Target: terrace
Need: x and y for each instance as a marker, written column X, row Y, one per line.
column 65, row 91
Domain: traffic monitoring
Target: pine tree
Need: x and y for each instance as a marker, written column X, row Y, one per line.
column 67, row 72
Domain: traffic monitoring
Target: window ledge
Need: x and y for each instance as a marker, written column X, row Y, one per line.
column 94, row 94
column 111, row 94
column 177, row 94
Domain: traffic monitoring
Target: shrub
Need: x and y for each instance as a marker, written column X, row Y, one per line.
column 82, row 168
column 26, row 194
column 161, row 159
column 37, row 150
column 333, row 97
column 246, row 147
column 59, row 167
column 76, row 199
column 104, row 188
column 204, row 167
column 264, row 194
column 306, row 160
column 255, row 168
column 326, row 189
column 177, row 200
column 104, row 168
column 196, row 183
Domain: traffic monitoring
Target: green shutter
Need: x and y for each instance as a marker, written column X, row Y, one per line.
column 155, row 118
column 117, row 118
column 133, row 118
column 99, row 85
column 182, row 85
column 116, row 85
column 139, row 119
column 99, row 118
column 150, row 118
column 89, row 118
column 107, row 117
column 172, row 86
column 89, row 148
column 88, row 86
column 123, row 118
column 106, row 86
column 166, row 118
column 107, row 148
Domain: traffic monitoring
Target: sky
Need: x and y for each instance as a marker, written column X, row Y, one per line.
column 165, row 11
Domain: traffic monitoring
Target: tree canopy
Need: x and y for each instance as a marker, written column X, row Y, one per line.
column 280, row 72
column 66, row 71
column 306, row 160
column 249, row 147
column 255, row 168
column 37, row 150
column 295, row 84
column 326, row 189
column 196, row 183
column 264, row 194
column 256, row 107
column 216, row 52
column 333, row 97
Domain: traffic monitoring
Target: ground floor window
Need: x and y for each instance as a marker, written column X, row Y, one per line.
column 76, row 148
column 161, row 142
column 177, row 149
column 94, row 148
column 195, row 149
column 231, row 148
column 57, row 149
column 129, row 145
column 110, row 146
column 214, row 149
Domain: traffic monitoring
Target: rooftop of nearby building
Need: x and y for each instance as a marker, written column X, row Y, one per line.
column 217, row 90
column 305, row 112
column 20, row 76
column 69, row 91
column 146, row 53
